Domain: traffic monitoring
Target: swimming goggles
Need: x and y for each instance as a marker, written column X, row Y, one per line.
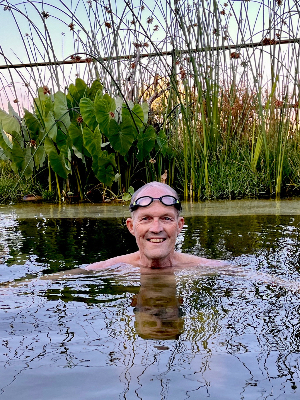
column 145, row 201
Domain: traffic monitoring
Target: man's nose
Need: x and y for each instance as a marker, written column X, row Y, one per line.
column 156, row 225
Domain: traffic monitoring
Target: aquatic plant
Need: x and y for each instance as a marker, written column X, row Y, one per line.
column 82, row 132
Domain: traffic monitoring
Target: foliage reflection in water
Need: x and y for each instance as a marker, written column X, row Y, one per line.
column 86, row 335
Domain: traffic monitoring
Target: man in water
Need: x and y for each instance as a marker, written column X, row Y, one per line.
column 156, row 222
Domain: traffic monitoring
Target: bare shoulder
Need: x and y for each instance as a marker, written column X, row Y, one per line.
column 189, row 260
column 131, row 258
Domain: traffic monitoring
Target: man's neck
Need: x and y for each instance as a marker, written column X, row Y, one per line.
column 158, row 263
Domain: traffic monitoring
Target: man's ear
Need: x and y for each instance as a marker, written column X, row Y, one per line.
column 180, row 224
column 129, row 224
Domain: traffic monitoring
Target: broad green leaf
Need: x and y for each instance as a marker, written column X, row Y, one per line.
column 27, row 166
column 61, row 111
column 121, row 136
column 73, row 95
column 99, row 96
column 9, row 122
column 135, row 113
column 58, row 165
column 138, row 115
column 24, row 132
column 103, row 167
column 162, row 141
column 57, row 161
column 76, row 137
column 81, row 87
column 104, row 111
column 106, row 175
column 94, row 89
column 62, row 142
column 49, row 146
column 50, row 126
column 43, row 104
column 33, row 124
column 126, row 196
column 77, row 91
column 39, row 156
column 92, row 141
column 146, row 142
column 87, row 111
column 17, row 154
column 22, row 160
column 42, row 95
column 17, row 137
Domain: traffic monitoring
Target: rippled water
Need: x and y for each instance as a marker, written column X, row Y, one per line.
column 69, row 334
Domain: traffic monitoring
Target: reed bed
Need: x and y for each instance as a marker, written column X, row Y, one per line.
column 221, row 80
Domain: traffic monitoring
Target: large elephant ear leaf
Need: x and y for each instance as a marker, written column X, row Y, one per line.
column 77, row 91
column 162, row 141
column 87, row 111
column 9, row 122
column 61, row 111
column 28, row 163
column 104, row 110
column 81, row 86
column 33, row 124
column 57, row 161
column 58, row 165
column 121, row 136
column 22, row 160
column 76, row 136
column 92, row 141
column 104, row 168
column 50, row 126
column 146, row 142
column 17, row 156
column 39, row 156
column 135, row 114
column 94, row 89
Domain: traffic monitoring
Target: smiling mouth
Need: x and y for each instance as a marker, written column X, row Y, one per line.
column 158, row 240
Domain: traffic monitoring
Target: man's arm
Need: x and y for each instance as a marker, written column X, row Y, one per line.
column 131, row 258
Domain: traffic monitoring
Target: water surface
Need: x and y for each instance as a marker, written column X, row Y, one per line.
column 118, row 335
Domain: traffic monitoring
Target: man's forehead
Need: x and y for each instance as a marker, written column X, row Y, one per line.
column 155, row 191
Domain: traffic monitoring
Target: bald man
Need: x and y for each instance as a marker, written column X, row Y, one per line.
column 155, row 222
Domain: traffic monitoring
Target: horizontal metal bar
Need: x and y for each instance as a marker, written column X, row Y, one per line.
column 265, row 42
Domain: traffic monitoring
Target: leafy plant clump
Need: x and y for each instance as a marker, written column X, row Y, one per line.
column 82, row 139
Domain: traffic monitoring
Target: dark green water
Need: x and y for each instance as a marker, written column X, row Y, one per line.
column 118, row 335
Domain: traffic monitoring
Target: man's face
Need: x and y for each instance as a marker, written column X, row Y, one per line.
column 155, row 228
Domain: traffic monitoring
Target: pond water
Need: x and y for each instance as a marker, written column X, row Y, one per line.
column 66, row 333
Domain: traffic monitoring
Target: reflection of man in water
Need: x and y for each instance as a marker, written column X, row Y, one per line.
column 155, row 222
column 157, row 308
